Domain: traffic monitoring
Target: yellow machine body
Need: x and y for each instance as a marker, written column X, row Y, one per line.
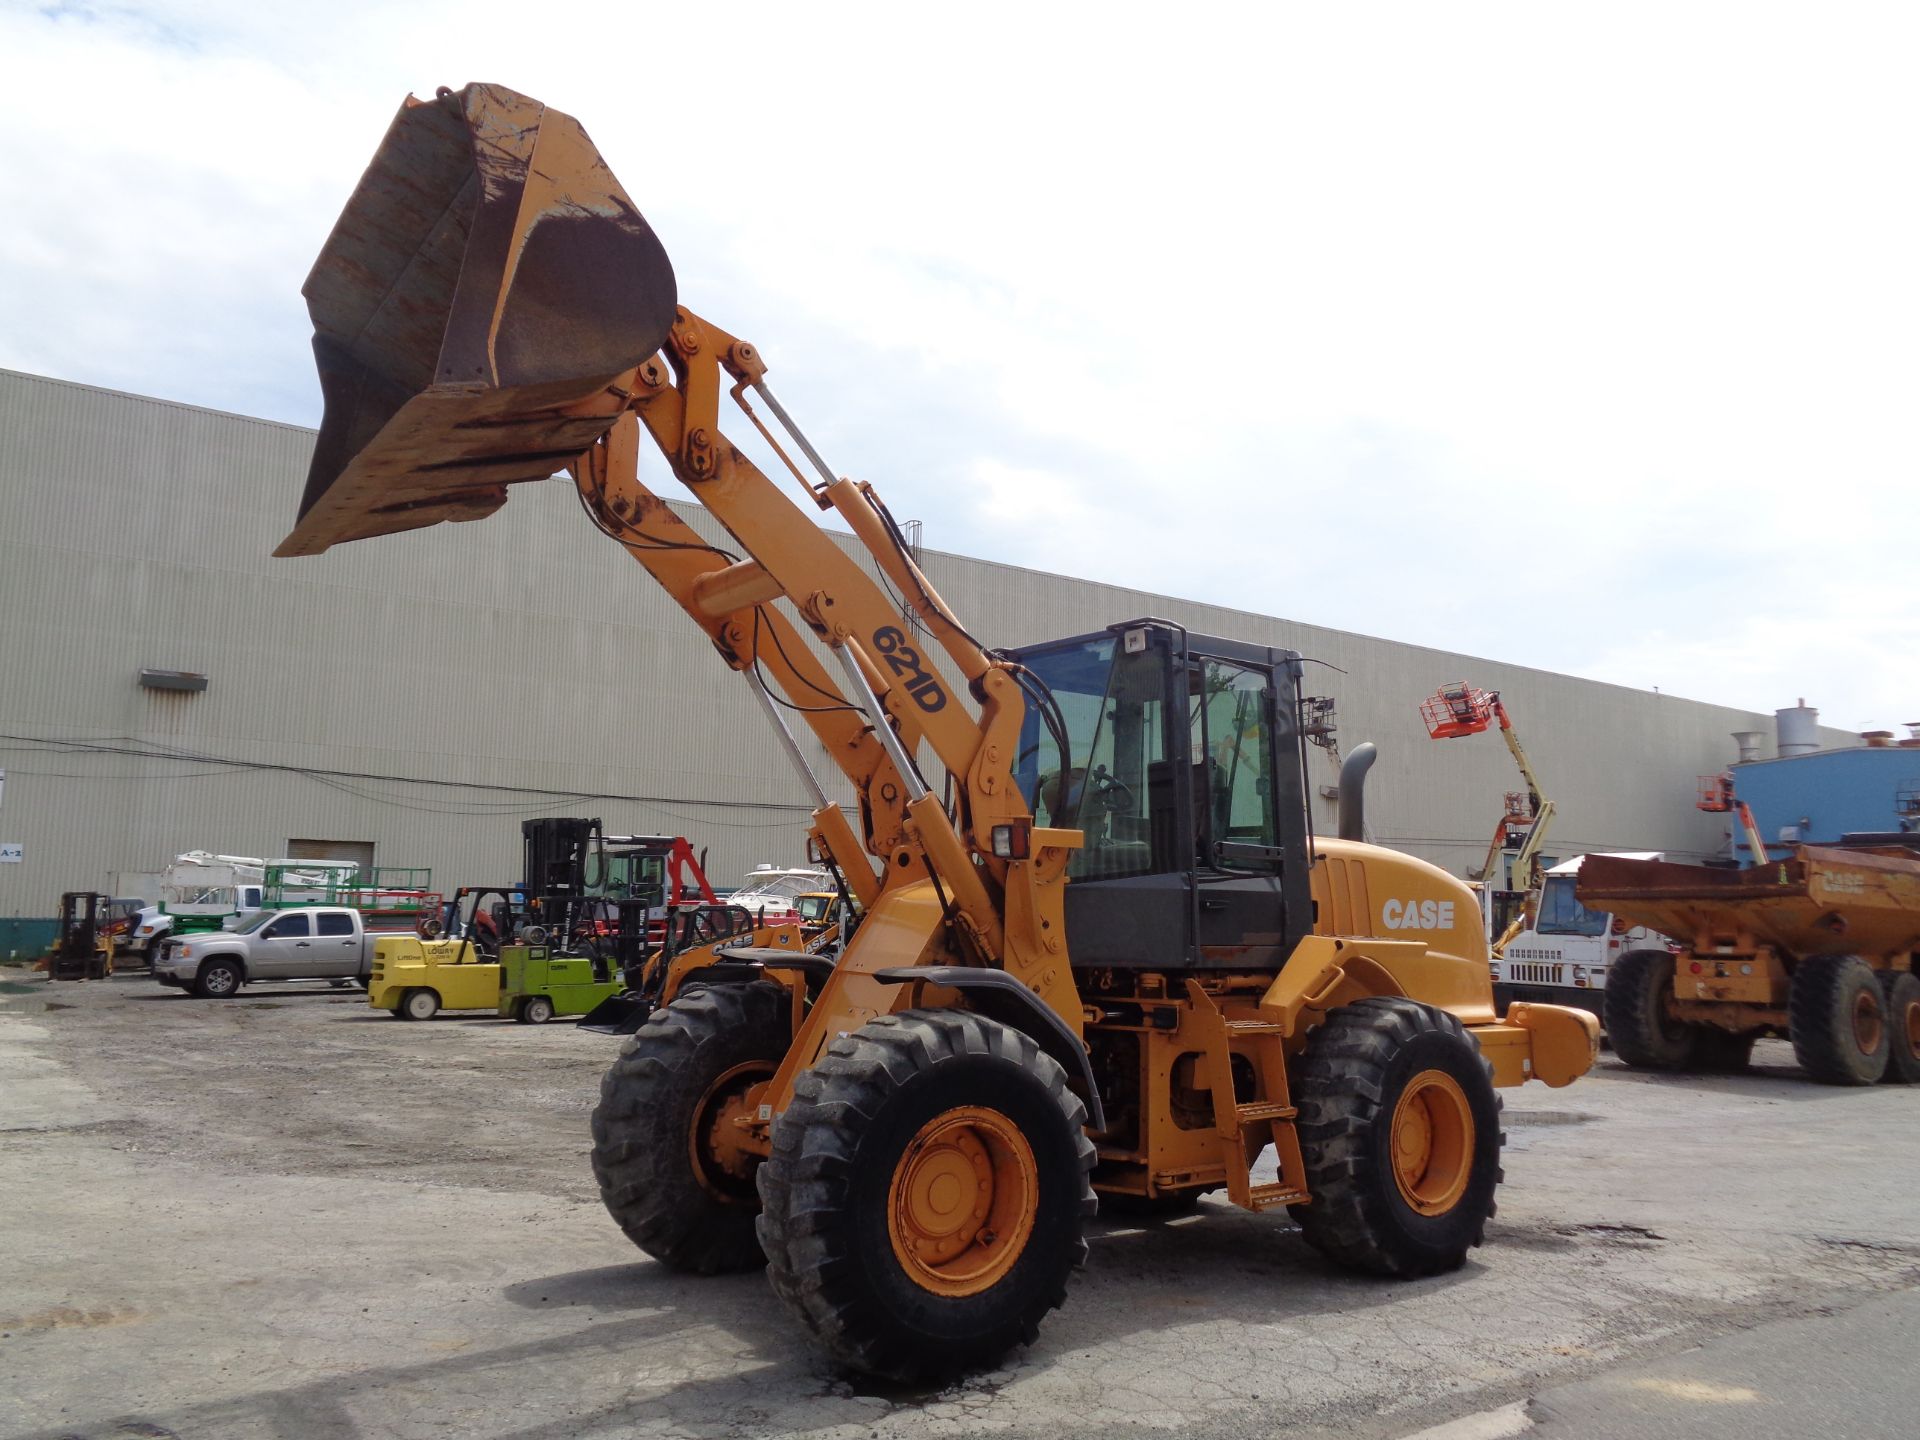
column 491, row 308
column 460, row 977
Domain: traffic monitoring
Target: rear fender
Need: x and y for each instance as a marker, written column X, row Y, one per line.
column 1325, row 972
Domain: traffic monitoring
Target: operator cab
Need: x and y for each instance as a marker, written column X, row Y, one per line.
column 1183, row 767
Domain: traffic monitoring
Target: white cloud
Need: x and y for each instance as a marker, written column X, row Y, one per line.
column 1576, row 338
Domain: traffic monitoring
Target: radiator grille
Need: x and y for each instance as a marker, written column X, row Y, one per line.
column 1533, row 973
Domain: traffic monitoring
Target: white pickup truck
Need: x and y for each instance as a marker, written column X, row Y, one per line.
column 311, row 942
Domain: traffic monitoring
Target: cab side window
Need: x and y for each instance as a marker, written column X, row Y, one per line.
column 288, row 927
column 334, row 924
column 1232, row 710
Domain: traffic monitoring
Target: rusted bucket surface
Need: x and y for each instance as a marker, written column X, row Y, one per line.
column 485, row 284
column 1822, row 901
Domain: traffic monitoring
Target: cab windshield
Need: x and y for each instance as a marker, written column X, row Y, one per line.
column 634, row 874
column 1102, row 764
column 254, row 921
column 1562, row 914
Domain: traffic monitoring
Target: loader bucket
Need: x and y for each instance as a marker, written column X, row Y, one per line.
column 621, row 1014
column 486, row 283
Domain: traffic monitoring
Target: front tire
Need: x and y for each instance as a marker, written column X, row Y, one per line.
column 534, row 1010
column 1837, row 1020
column 1640, row 1027
column 419, row 1004
column 1400, row 1129
column 927, row 1195
column 664, row 1144
column 218, row 980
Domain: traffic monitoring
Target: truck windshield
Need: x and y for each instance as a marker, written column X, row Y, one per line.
column 254, row 922
column 1562, row 914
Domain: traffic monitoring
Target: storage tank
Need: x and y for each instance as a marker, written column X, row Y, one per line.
column 1796, row 730
column 1749, row 743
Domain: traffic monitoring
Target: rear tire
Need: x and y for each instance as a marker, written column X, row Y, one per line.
column 218, row 980
column 658, row 1130
column 1837, row 1018
column 534, row 1010
column 1400, row 1129
column 1641, row 1031
column 421, row 1004
column 1903, row 1020
column 927, row 1195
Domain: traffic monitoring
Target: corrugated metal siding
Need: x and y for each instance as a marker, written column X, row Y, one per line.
column 522, row 652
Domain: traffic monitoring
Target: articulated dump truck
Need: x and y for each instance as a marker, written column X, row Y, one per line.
column 1101, row 957
column 1819, row 947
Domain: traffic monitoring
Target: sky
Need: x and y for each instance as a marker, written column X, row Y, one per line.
column 1577, row 337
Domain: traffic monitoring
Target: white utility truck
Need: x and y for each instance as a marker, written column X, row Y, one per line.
column 1563, row 957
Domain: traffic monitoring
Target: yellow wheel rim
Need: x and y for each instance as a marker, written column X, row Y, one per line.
column 1868, row 1026
column 721, row 1162
column 961, row 1206
column 1432, row 1142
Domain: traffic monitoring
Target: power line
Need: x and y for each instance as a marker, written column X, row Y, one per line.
column 155, row 750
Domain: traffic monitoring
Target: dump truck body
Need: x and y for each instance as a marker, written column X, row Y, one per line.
column 1769, row 950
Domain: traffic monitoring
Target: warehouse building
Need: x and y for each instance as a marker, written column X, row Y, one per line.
column 166, row 685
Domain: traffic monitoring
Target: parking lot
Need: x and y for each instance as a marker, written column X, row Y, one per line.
column 286, row 1214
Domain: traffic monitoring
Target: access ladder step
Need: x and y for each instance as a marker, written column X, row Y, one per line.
column 1271, row 1197
column 1255, row 1027
column 1263, row 1110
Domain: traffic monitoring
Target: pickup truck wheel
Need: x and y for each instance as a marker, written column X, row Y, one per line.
column 419, row 1005
column 218, row 980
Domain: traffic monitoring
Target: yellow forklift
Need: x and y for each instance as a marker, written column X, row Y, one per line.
column 84, row 948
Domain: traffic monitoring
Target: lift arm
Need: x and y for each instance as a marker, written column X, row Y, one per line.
column 490, row 308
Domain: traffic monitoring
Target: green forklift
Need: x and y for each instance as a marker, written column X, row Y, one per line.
column 591, row 902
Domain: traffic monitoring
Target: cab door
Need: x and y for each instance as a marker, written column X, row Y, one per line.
column 1240, row 910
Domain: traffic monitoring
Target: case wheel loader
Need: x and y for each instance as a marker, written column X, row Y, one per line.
column 1101, row 952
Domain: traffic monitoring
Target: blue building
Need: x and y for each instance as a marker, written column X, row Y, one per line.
column 1817, row 798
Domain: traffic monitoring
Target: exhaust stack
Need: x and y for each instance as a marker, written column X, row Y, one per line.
column 1353, row 785
column 484, row 286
